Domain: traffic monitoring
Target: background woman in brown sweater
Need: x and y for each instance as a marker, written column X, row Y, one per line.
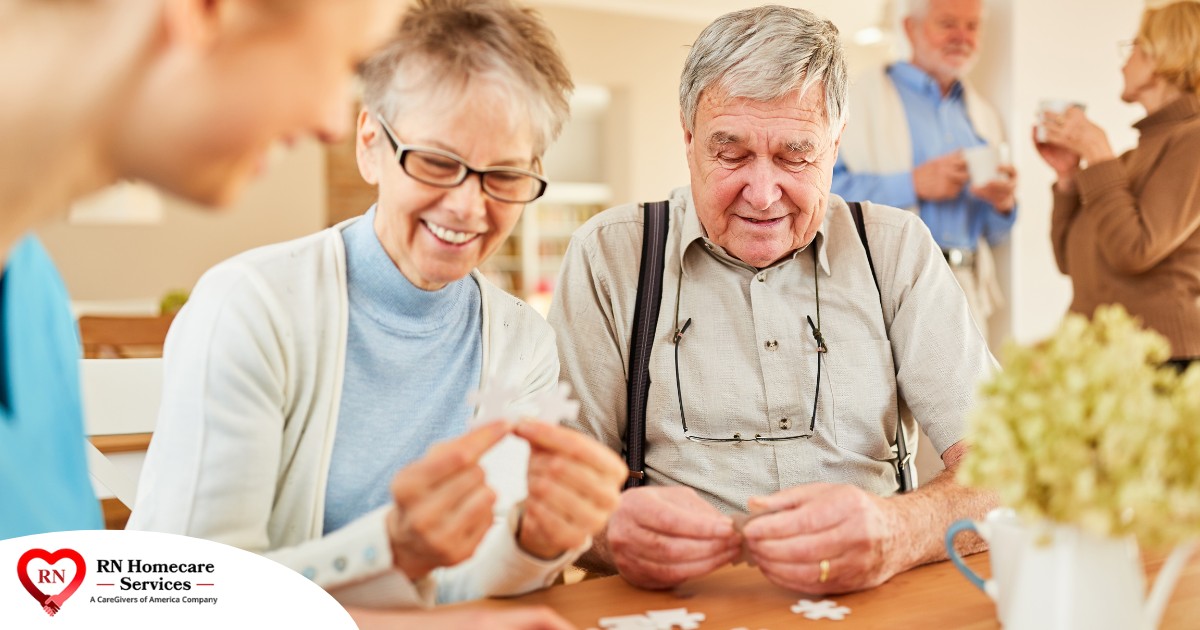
column 1125, row 229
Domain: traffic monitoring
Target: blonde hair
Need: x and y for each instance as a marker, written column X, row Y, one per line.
column 445, row 47
column 1170, row 35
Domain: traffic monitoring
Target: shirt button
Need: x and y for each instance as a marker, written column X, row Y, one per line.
column 783, row 423
column 772, row 344
column 762, row 277
column 339, row 564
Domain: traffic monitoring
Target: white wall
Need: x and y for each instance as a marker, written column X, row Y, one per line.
column 109, row 262
column 1059, row 49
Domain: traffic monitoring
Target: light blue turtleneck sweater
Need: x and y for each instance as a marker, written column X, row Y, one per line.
column 411, row 358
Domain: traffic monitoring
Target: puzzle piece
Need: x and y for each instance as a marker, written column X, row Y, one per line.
column 675, row 618
column 739, row 522
column 494, row 402
column 498, row 401
column 824, row 609
column 555, row 405
column 667, row 619
column 627, row 622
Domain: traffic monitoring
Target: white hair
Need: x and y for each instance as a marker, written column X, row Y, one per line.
column 764, row 53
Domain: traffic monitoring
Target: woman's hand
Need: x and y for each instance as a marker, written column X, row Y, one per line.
column 1065, row 162
column 574, row 484
column 1073, row 131
column 443, row 504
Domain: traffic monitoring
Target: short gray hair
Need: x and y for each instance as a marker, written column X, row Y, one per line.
column 918, row 9
column 762, row 54
column 444, row 47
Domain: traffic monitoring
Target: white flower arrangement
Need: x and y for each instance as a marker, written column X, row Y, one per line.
column 1087, row 429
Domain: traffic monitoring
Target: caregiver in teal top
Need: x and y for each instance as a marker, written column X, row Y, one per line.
column 301, row 376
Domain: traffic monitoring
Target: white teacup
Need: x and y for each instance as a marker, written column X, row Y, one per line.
column 1052, row 106
column 984, row 162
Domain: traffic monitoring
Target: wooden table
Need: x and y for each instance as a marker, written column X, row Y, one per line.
column 933, row 596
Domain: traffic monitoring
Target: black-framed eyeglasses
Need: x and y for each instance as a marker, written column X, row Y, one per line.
column 447, row 170
column 757, row 437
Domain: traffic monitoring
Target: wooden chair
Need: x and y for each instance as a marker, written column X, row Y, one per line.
column 123, row 337
column 121, row 399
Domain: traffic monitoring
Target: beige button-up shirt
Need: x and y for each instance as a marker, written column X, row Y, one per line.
column 748, row 363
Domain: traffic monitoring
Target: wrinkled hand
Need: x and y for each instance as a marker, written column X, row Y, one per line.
column 574, row 485
column 1073, row 131
column 847, row 526
column 1000, row 192
column 525, row 618
column 663, row 536
column 941, row 178
column 443, row 505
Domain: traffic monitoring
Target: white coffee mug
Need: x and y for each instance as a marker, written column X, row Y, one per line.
column 984, row 162
column 1052, row 106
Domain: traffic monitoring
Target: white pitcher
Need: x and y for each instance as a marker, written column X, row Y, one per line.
column 1057, row 576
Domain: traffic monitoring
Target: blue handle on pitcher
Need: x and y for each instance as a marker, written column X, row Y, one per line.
column 959, row 526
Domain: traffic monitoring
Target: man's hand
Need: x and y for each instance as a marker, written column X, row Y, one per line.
column 525, row 618
column 574, row 485
column 662, row 536
column 1001, row 192
column 941, row 178
column 801, row 527
column 443, row 504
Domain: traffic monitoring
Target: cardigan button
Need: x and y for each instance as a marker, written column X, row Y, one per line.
column 339, row 563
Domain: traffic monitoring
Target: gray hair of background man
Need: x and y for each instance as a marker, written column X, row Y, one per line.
column 762, row 54
column 445, row 47
column 918, row 8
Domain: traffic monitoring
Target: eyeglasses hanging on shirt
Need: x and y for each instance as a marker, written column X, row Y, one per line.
column 738, row 436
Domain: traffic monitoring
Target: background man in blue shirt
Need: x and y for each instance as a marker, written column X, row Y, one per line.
column 904, row 145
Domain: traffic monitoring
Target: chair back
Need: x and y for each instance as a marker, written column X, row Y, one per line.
column 120, row 337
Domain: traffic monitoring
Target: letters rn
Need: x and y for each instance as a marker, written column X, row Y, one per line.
column 46, row 576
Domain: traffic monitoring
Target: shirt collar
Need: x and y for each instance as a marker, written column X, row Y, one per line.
column 693, row 233
column 919, row 81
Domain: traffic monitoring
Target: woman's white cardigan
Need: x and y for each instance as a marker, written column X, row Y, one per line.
column 252, row 384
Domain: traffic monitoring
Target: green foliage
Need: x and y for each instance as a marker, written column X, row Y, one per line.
column 1085, row 428
column 172, row 301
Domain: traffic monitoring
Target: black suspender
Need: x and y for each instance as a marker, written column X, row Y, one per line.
column 904, row 476
column 645, row 321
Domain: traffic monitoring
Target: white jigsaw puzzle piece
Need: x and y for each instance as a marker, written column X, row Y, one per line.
column 824, row 609
column 493, row 402
column 627, row 622
column 498, row 401
column 555, row 405
column 675, row 618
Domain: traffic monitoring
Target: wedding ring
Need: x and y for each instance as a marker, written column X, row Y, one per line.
column 824, row 577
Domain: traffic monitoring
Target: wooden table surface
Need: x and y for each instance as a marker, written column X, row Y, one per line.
column 933, row 596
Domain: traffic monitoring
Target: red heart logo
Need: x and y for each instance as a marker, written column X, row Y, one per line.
column 51, row 603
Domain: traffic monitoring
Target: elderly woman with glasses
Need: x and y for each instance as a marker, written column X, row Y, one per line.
column 1126, row 228
column 302, row 376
